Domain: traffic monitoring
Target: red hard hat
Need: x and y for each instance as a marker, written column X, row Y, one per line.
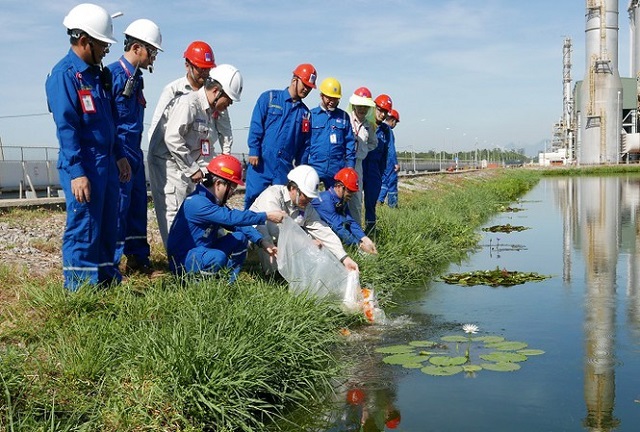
column 349, row 178
column 226, row 167
column 384, row 102
column 307, row 73
column 355, row 397
column 393, row 113
column 363, row 92
column 200, row 54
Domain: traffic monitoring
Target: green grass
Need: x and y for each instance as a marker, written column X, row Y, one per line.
column 591, row 170
column 203, row 355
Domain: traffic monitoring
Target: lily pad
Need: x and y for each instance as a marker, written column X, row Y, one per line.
column 507, row 346
column 504, row 357
column 412, row 365
column 530, row 352
column 399, row 359
column 501, row 367
column 395, row 349
column 471, row 368
column 454, row 338
column 441, row 370
column 423, row 344
column 447, row 361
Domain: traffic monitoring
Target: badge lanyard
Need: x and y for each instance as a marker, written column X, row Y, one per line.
column 140, row 96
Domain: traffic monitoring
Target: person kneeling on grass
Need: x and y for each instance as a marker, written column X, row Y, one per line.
column 294, row 199
column 332, row 206
column 198, row 242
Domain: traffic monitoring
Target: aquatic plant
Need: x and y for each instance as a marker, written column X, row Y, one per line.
column 490, row 352
column 508, row 228
column 494, row 278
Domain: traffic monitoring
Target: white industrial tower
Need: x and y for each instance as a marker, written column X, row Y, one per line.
column 600, row 110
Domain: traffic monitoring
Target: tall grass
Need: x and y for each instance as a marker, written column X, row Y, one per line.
column 201, row 355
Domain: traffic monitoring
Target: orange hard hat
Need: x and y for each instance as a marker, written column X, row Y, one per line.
column 226, row 167
column 384, row 102
column 393, row 113
column 307, row 73
column 349, row 178
column 200, row 54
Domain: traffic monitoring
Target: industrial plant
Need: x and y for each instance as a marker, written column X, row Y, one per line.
column 599, row 122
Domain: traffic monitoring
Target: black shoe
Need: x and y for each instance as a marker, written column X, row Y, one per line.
column 135, row 266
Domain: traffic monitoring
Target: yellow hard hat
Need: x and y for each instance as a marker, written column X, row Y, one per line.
column 331, row 87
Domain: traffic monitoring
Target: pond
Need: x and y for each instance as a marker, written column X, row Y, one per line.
column 585, row 234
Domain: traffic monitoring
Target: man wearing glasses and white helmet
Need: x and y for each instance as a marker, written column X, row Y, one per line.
column 142, row 42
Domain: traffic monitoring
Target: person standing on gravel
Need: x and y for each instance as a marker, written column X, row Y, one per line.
column 90, row 161
column 141, row 45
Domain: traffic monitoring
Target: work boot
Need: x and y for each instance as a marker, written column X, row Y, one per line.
column 135, row 265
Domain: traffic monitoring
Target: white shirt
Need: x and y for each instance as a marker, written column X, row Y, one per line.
column 179, row 134
column 365, row 133
column 223, row 132
column 277, row 197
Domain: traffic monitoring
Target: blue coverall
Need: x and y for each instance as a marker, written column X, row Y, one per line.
column 194, row 246
column 132, row 207
column 390, row 176
column 84, row 114
column 333, row 145
column 335, row 213
column 373, row 167
column 277, row 136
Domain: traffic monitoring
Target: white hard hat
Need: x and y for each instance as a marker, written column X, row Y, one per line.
column 307, row 180
column 93, row 20
column 146, row 31
column 230, row 79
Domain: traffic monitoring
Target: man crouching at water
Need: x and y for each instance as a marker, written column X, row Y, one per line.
column 294, row 199
column 332, row 206
column 196, row 244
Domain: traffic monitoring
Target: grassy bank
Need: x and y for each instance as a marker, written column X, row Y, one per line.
column 202, row 355
column 599, row 170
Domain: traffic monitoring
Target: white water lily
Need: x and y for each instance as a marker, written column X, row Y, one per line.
column 470, row 328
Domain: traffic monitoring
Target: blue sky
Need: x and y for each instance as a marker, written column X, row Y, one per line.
column 458, row 71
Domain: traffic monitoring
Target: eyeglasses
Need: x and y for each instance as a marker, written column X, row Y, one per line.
column 103, row 45
column 151, row 51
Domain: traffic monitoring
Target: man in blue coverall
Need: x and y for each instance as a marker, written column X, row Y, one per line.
column 141, row 45
column 196, row 245
column 389, row 189
column 332, row 206
column 279, row 133
column 375, row 163
column 90, row 160
column 333, row 145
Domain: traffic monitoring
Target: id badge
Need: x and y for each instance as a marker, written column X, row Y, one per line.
column 333, row 138
column 306, row 125
column 205, row 148
column 86, row 101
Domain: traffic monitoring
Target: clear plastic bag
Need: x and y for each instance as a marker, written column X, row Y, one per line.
column 316, row 271
column 307, row 267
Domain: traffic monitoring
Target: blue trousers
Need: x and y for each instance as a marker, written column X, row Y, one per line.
column 389, row 189
column 89, row 239
column 228, row 251
column 260, row 177
column 132, row 218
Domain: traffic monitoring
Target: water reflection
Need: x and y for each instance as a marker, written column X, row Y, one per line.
column 595, row 216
